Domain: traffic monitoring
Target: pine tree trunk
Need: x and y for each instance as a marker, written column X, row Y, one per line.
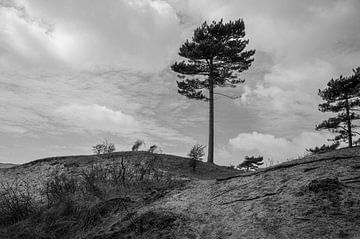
column 211, row 118
column 348, row 121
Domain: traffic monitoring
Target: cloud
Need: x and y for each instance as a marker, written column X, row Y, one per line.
column 287, row 90
column 124, row 104
column 133, row 34
column 269, row 146
column 105, row 62
column 98, row 118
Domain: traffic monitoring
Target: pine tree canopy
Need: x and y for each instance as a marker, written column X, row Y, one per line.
column 217, row 53
column 341, row 96
column 251, row 162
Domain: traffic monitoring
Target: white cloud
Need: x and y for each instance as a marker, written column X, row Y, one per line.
column 98, row 118
column 270, row 146
column 289, row 89
column 101, row 119
column 141, row 35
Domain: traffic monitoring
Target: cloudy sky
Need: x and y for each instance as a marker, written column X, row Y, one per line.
column 73, row 73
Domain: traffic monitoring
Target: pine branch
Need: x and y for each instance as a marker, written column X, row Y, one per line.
column 228, row 96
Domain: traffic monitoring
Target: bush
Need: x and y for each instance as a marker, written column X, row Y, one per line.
column 196, row 153
column 104, row 148
column 15, row 204
column 138, row 143
column 251, row 163
column 153, row 148
column 324, row 148
column 59, row 188
column 92, row 179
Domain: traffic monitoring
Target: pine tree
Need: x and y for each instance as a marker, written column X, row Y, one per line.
column 214, row 58
column 251, row 163
column 342, row 96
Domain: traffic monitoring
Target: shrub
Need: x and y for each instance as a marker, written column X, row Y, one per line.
column 231, row 166
column 60, row 187
column 92, row 178
column 196, row 153
column 98, row 149
column 251, row 163
column 104, row 148
column 15, row 204
column 324, row 148
column 152, row 148
column 138, row 143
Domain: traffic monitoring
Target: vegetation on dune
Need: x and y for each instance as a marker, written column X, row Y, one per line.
column 105, row 148
column 196, row 153
column 251, row 163
column 324, row 148
column 136, row 146
column 73, row 203
column 83, row 192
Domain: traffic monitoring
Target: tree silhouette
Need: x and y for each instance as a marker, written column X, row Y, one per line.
column 341, row 96
column 214, row 58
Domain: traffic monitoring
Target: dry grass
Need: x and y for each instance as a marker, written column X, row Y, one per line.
column 71, row 203
column 88, row 197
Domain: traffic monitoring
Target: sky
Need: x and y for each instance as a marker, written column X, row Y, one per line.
column 73, row 73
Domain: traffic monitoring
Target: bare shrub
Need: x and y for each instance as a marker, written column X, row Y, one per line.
column 98, row 149
column 92, row 178
column 59, row 187
column 147, row 169
column 15, row 204
column 105, row 148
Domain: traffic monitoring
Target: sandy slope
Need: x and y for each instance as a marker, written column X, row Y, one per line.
column 314, row 197
column 306, row 199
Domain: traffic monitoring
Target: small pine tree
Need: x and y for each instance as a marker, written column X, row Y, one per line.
column 196, row 153
column 251, row 163
column 324, row 148
column 342, row 96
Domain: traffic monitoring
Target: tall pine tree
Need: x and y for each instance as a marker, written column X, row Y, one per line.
column 213, row 58
column 342, row 96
